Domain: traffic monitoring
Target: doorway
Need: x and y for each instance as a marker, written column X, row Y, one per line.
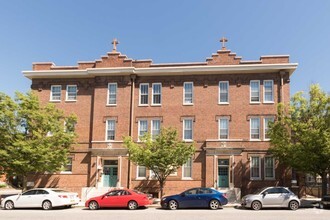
column 223, row 173
column 110, row 173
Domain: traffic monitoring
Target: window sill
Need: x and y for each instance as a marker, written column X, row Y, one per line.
column 223, row 103
column 70, row 100
column 187, row 178
column 270, row 179
column 156, row 105
column 255, row 103
column 143, row 105
column 141, row 178
column 55, row 100
column 188, row 104
column 188, row 141
column 256, row 140
column 66, row 172
column 255, row 179
column 271, row 102
column 111, row 105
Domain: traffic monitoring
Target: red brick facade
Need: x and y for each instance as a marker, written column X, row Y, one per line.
column 237, row 151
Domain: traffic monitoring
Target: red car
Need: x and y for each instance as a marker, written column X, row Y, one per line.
column 131, row 199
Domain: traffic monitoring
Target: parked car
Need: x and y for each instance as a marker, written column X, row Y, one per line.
column 271, row 197
column 325, row 202
column 45, row 198
column 195, row 198
column 121, row 198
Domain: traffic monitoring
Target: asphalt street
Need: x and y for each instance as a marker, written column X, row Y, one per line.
column 159, row 214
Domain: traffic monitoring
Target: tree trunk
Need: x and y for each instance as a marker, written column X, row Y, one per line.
column 24, row 182
column 324, row 184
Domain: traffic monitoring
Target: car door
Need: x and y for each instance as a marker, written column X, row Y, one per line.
column 272, row 197
column 204, row 196
column 111, row 199
column 189, row 199
column 39, row 197
column 26, row 199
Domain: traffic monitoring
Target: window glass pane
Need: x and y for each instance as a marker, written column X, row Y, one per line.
column 112, row 93
column 68, row 166
column 255, row 167
column 111, row 129
column 269, row 167
column 268, row 90
column 188, row 129
column 72, row 92
column 255, row 128
column 157, row 90
column 187, row 167
column 223, row 87
column 144, row 93
column 142, row 171
column 143, row 127
column 223, row 128
column 254, row 87
column 266, row 126
column 188, row 93
column 55, row 92
column 155, row 128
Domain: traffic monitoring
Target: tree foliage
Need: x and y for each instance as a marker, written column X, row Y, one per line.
column 163, row 156
column 301, row 136
column 33, row 138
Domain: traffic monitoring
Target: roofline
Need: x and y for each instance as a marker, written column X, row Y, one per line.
column 163, row 71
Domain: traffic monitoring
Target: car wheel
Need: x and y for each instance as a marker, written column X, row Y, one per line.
column 132, row 205
column 93, row 205
column 172, row 204
column 293, row 205
column 47, row 205
column 256, row 205
column 214, row 204
column 9, row 205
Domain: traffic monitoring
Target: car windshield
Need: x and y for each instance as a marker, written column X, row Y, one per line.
column 138, row 192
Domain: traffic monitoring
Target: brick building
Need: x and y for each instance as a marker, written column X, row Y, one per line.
column 223, row 105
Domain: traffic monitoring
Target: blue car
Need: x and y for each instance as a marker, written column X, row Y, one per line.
column 195, row 198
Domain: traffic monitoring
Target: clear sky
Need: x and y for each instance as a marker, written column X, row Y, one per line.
column 65, row 32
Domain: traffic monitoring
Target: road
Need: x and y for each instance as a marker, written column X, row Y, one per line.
column 159, row 214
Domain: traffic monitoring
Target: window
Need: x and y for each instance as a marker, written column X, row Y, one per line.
column 68, row 166
column 143, row 127
column 156, row 93
column 71, row 93
column 188, row 94
column 155, row 128
column 188, row 129
column 144, row 89
column 223, row 128
column 255, row 168
column 268, row 91
column 186, row 169
column 141, row 172
column 55, row 93
column 266, row 127
column 255, row 129
column 111, row 130
column 255, row 91
column 224, row 92
column 112, row 93
column 269, row 168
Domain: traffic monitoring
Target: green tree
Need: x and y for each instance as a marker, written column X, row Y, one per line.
column 300, row 137
column 163, row 155
column 33, row 138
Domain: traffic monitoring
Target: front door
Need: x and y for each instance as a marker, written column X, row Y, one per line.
column 223, row 172
column 110, row 173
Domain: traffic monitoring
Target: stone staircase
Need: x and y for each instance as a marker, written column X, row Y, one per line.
column 233, row 194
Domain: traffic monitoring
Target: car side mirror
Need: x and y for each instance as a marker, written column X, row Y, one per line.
column 264, row 193
column 182, row 194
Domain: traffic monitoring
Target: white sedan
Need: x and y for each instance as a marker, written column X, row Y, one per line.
column 45, row 198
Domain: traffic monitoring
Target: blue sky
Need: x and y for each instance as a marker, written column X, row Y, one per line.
column 65, row 32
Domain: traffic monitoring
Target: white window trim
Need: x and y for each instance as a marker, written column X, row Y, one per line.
column 67, row 94
column 219, row 102
column 152, row 94
column 264, row 91
column 192, row 130
column 254, row 102
column 139, row 127
column 269, row 178
column 191, row 167
column 106, row 129
column 264, row 128
column 251, row 129
column 255, row 178
column 184, row 92
column 108, row 94
column 220, row 129
column 51, row 93
column 142, row 84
